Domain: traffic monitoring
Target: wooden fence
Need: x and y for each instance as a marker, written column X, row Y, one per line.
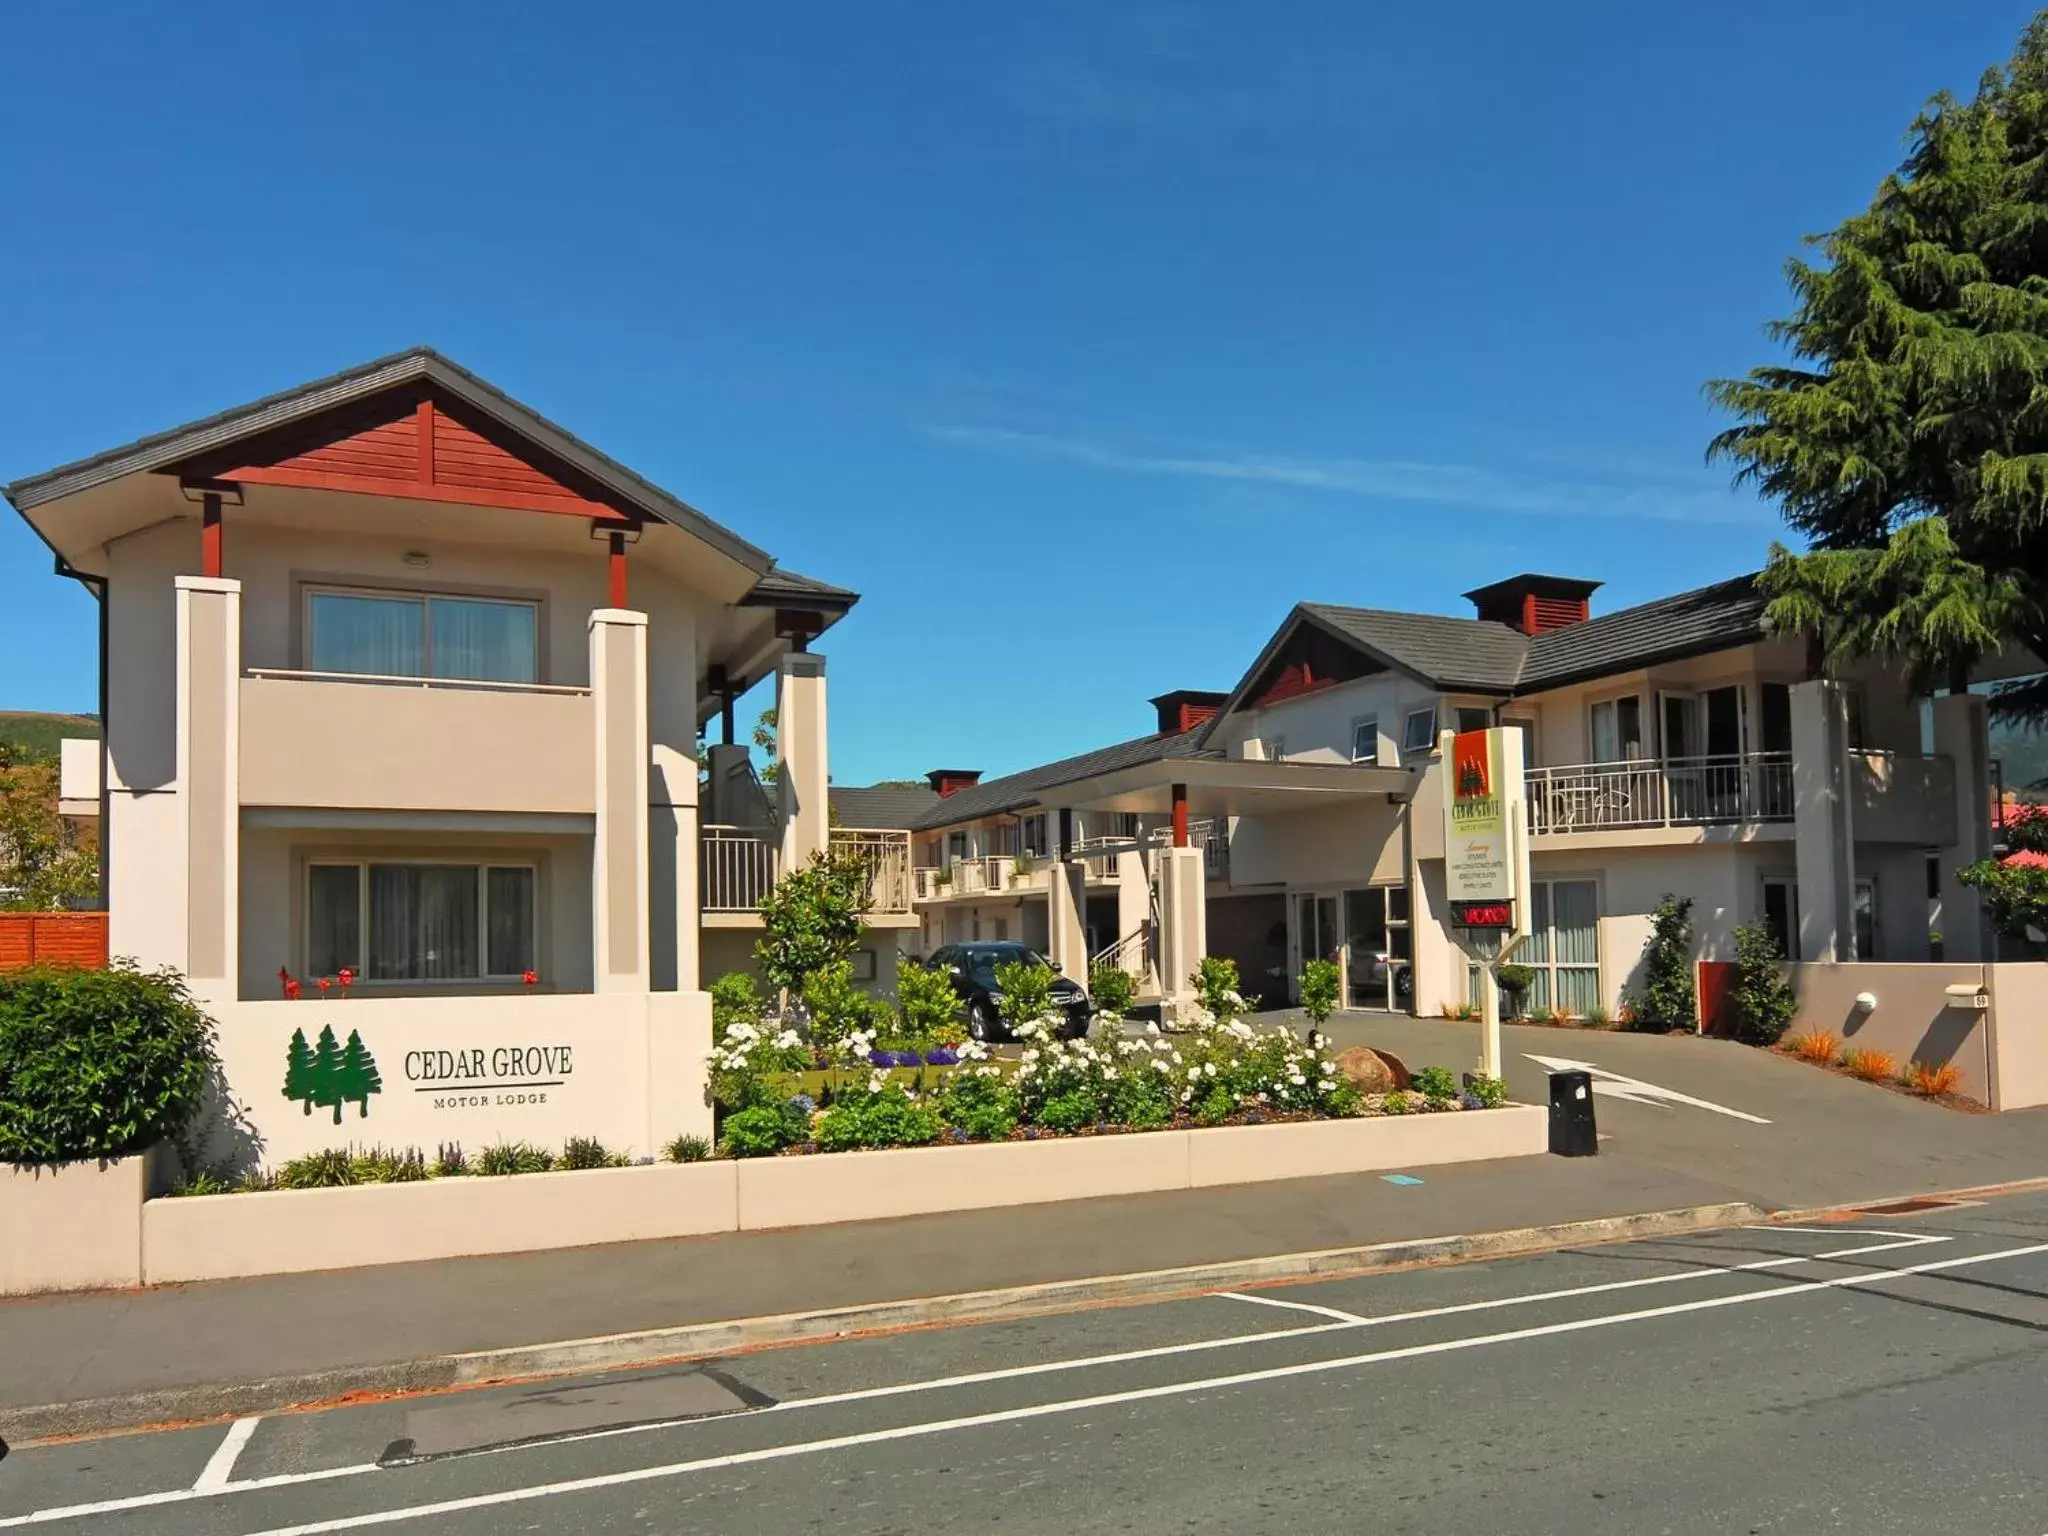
column 56, row 938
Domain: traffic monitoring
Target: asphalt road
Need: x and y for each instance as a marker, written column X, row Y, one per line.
column 1881, row 1375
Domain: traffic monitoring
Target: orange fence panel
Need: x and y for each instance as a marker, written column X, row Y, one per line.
column 53, row 938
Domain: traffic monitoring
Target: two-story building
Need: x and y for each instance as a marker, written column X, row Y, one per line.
column 1674, row 748
column 405, row 683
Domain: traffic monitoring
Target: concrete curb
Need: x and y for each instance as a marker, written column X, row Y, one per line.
column 575, row 1357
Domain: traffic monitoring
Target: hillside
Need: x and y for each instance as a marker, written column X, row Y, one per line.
column 38, row 734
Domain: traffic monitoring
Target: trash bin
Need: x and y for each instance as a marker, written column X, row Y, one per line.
column 1572, row 1132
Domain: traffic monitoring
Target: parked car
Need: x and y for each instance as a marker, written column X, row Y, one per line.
column 973, row 969
column 1404, row 978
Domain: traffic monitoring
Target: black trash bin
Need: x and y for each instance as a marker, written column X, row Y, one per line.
column 1572, row 1133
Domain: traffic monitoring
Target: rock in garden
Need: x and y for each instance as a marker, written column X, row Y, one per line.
column 1362, row 1065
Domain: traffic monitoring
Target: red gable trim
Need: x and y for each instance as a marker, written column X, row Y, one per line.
column 415, row 448
column 1292, row 683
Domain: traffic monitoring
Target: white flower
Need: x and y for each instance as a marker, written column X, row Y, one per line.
column 1208, row 1069
column 1152, row 1027
column 788, row 1039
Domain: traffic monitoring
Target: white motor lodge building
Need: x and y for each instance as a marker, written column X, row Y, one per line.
column 1676, row 747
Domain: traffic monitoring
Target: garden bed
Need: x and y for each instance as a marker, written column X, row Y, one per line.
column 1879, row 1070
column 221, row 1236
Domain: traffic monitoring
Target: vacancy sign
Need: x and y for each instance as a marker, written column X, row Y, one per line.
column 1478, row 858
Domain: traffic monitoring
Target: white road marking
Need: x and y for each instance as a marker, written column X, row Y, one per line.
column 1613, row 1085
column 507, row 1496
column 1014, row 1372
column 1293, row 1306
column 221, row 1465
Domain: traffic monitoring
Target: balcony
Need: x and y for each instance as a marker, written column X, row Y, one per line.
column 737, row 866
column 1899, row 797
column 1748, row 789
column 343, row 740
column 887, row 856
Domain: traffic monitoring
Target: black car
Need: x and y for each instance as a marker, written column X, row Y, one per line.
column 973, row 969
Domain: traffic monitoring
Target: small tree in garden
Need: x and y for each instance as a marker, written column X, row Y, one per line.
column 1319, row 992
column 1764, row 1001
column 1217, row 985
column 837, row 1007
column 2015, row 896
column 925, row 1004
column 1514, row 982
column 735, row 999
column 1665, row 999
column 1111, row 988
column 1026, row 992
column 43, row 864
column 813, row 918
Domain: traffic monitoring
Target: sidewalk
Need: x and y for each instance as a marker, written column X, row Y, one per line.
column 68, row 1348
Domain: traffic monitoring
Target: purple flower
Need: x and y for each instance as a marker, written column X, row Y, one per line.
column 1471, row 1101
column 802, row 1104
column 941, row 1057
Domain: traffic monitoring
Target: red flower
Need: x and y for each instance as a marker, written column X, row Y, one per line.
column 530, row 978
column 291, row 989
column 323, row 984
column 284, row 979
column 345, row 978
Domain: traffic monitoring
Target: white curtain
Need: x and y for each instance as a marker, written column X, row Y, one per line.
column 491, row 642
column 423, row 922
column 382, row 636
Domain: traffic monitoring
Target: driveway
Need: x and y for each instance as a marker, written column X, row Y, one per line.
column 1822, row 1138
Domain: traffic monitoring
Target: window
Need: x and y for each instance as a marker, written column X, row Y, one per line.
column 1617, row 729
column 1866, row 920
column 1564, row 946
column 1418, row 731
column 956, row 848
column 397, row 634
column 1528, row 729
column 1275, row 748
column 420, row 922
column 1470, row 719
column 1781, row 915
column 1378, row 944
column 1033, row 835
column 1365, row 739
column 1852, row 722
column 1777, row 717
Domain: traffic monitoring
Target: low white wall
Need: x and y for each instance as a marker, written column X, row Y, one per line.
column 2019, row 1034
column 72, row 1226
column 223, row 1236
column 1913, row 1019
column 628, row 1068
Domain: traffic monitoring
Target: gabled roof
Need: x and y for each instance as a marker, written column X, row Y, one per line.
column 1447, row 652
column 1020, row 790
column 881, row 807
column 1729, row 613
column 780, row 587
column 418, row 365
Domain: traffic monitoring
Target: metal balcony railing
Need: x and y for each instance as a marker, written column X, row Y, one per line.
column 887, row 856
column 736, row 867
column 1661, row 792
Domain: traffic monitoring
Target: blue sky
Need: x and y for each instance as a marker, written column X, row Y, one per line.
column 1082, row 342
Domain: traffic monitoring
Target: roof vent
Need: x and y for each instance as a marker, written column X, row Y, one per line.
column 1185, row 708
column 1535, row 604
column 950, row 781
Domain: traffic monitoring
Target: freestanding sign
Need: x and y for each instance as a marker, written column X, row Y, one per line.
column 1486, row 861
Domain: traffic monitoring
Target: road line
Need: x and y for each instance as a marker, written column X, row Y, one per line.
column 221, row 1465
column 1112, row 1399
column 1010, row 1373
column 1293, row 1306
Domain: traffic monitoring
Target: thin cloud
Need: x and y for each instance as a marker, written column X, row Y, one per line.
column 1381, row 479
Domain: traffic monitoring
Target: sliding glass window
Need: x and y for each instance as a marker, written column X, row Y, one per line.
column 394, row 634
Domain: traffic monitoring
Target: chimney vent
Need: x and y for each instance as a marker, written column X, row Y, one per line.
column 950, row 781
column 1185, row 708
column 1535, row 604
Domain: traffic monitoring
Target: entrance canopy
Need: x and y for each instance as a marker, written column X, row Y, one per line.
column 1228, row 786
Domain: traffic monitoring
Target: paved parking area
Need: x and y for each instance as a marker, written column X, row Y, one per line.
column 1881, row 1374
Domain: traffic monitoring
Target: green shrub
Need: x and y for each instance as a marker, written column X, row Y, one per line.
column 97, row 1063
column 813, row 918
column 1765, row 1003
column 203, row 1183
column 1437, row 1083
column 1219, row 989
column 687, row 1149
column 1067, row 1112
column 760, row 1130
column 926, row 1005
column 1214, row 1106
column 838, row 1008
column 450, row 1161
column 1111, row 988
column 581, row 1152
column 1491, row 1092
column 888, row 1118
column 735, row 999
column 332, row 1169
column 1515, row 982
column 378, row 1165
column 1024, row 992
column 1665, row 999
column 1319, row 991
column 982, row 1103
column 509, row 1157
column 1395, row 1102
column 2015, row 896
column 1595, row 1016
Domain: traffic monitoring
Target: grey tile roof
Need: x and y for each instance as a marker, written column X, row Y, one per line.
column 781, row 585
column 1018, row 790
column 1451, row 653
column 1692, row 623
column 353, row 384
column 880, row 806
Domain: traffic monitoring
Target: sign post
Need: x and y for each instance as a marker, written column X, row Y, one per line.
column 1486, row 861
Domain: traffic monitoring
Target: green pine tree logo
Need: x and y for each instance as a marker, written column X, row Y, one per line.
column 330, row 1074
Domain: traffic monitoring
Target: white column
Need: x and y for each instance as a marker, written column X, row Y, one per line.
column 1066, row 900
column 1183, row 922
column 207, row 884
column 1962, row 734
column 1133, row 908
column 620, row 951
column 800, row 748
column 674, row 899
column 1823, row 837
